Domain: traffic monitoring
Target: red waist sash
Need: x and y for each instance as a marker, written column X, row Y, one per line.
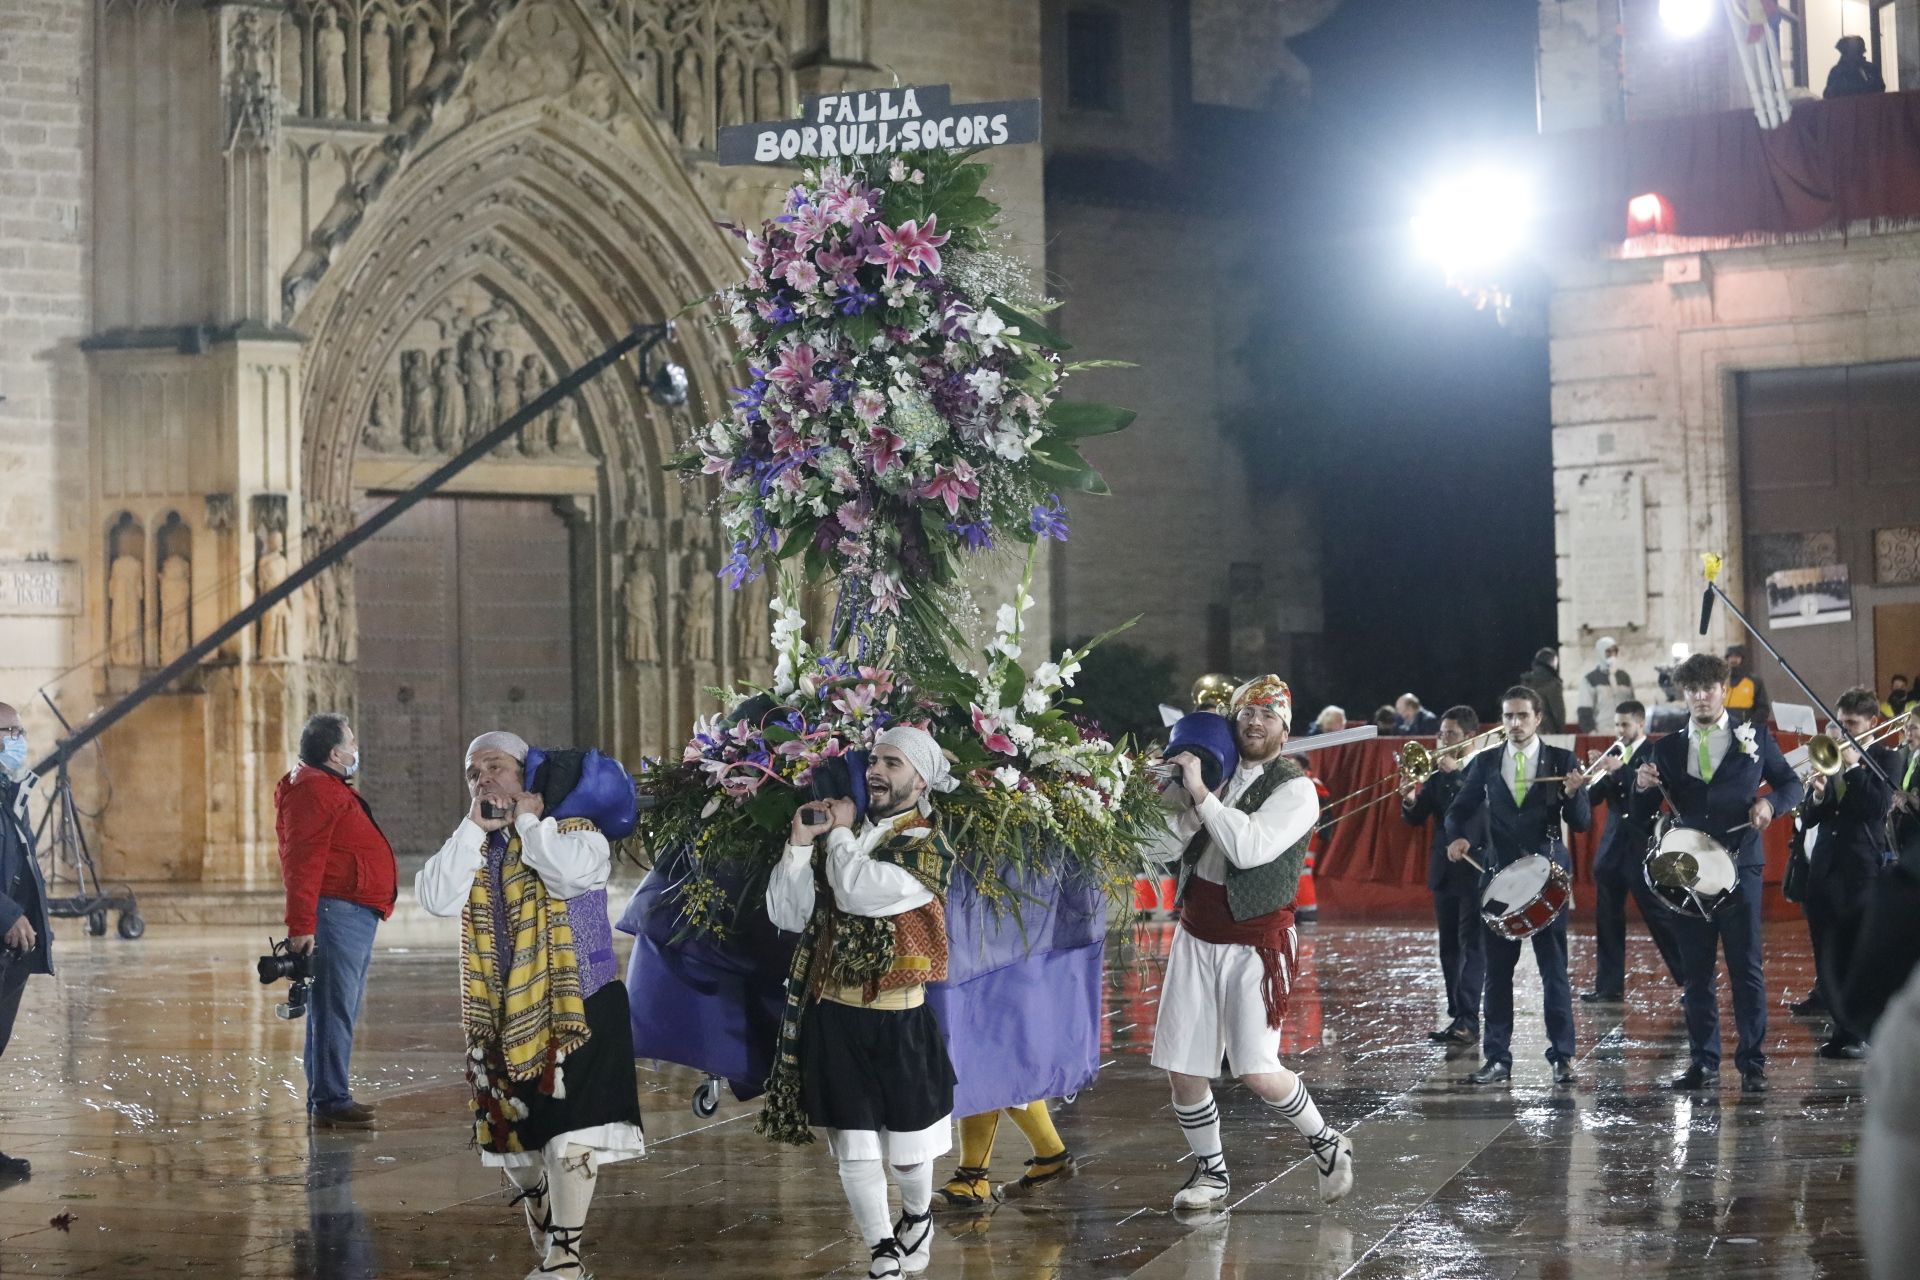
column 1204, row 914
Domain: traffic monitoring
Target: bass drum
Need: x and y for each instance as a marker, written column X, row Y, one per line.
column 1690, row 872
column 1526, row 896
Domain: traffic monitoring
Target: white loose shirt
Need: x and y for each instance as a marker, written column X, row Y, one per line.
column 861, row 886
column 1241, row 839
column 568, row 863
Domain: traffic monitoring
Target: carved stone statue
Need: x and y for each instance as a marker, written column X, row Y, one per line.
column 506, row 398
column 689, row 119
column 269, row 573
column 534, row 380
column 376, row 90
column 176, row 595
column 733, row 108
column 766, row 94
column 330, row 49
column 126, row 614
column 696, row 633
column 756, row 620
column 476, row 379
column 567, row 436
column 416, row 395
column 292, row 72
column 449, row 407
column 347, row 611
column 383, row 420
column 643, row 628
column 419, row 54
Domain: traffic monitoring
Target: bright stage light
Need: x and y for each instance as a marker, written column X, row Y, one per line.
column 1685, row 18
column 1475, row 223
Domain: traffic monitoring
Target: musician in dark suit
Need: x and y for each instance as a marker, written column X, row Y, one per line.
column 26, row 943
column 1711, row 775
column 1455, row 885
column 1616, row 866
column 1903, row 827
column 1850, row 810
column 1525, row 792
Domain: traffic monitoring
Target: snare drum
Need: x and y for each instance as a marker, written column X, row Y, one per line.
column 1526, row 896
column 1690, row 872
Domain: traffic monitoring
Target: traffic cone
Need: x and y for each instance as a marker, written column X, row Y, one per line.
column 1306, row 903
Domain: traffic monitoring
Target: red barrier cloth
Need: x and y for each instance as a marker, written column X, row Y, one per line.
column 1375, row 864
column 1833, row 162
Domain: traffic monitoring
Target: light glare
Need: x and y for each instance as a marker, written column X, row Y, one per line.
column 1474, row 222
column 1686, row 18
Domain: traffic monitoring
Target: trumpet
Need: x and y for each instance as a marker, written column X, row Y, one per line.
column 1591, row 774
column 1826, row 753
column 1416, row 765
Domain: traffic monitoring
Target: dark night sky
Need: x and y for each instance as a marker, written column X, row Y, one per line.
column 1431, row 427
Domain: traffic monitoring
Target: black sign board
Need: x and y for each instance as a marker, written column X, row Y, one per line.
column 879, row 121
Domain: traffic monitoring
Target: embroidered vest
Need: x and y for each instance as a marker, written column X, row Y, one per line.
column 1256, row 891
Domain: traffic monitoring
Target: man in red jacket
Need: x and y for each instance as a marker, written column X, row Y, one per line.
column 341, row 883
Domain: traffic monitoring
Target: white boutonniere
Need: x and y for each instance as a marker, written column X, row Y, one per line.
column 1749, row 739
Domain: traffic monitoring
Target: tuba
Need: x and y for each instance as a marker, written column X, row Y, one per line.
column 1213, row 692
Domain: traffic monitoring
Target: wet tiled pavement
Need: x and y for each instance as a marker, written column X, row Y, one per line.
column 160, row 1102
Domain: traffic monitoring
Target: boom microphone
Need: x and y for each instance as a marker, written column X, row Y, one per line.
column 1706, row 609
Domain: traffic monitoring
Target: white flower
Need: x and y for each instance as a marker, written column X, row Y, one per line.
column 1035, row 700
column 1021, row 734
column 1007, row 621
column 1008, row 777
column 1748, row 738
column 986, row 327
column 985, row 384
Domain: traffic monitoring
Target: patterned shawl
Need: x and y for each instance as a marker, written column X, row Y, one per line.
column 860, row 951
column 532, row 1016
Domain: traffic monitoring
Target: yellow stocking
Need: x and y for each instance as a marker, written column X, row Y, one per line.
column 976, row 1139
column 1036, row 1122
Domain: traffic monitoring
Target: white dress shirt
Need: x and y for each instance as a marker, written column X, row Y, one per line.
column 861, row 886
column 1242, row 839
column 568, row 863
column 1509, row 772
column 1719, row 742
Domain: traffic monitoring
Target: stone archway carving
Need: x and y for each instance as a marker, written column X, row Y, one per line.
column 542, row 215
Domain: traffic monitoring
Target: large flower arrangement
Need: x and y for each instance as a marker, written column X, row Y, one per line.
column 899, row 410
column 1039, row 791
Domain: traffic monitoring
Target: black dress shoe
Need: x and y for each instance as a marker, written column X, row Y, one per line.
column 1601, row 997
column 1695, row 1077
column 1491, row 1073
column 1849, row 1049
column 1443, row 1035
column 1753, row 1082
column 14, row 1169
column 1563, row 1072
column 1463, row 1035
column 1812, row 1007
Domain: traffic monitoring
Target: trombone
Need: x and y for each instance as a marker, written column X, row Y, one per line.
column 1416, row 765
column 1826, row 753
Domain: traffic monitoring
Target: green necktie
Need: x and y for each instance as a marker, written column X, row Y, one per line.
column 1519, row 778
column 1706, row 761
column 1913, row 758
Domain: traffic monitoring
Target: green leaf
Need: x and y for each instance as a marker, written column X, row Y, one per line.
column 774, row 734
column 1031, row 330
column 1077, row 365
column 796, row 539
column 1075, row 419
column 1014, row 686
column 772, row 808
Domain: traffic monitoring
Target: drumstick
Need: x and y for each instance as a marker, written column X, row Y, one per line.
column 1468, row 859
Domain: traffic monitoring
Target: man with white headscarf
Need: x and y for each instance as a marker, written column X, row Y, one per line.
column 861, row 1057
column 549, row 1040
column 1230, row 967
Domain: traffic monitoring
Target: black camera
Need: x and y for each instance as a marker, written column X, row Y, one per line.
column 494, row 812
column 282, row 961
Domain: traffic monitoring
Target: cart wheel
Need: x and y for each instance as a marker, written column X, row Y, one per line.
column 131, row 925
column 97, row 924
column 706, row 1099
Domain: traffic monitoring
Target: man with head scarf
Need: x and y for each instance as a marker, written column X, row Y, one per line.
column 1231, row 965
column 861, row 1057
column 1603, row 688
column 549, row 1041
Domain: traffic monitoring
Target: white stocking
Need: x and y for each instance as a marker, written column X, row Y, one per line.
column 530, row 1181
column 570, row 1194
column 865, row 1182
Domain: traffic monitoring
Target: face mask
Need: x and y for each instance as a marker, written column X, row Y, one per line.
column 13, row 756
column 353, row 765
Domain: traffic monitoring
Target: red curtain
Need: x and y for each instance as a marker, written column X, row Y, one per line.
column 1832, row 162
column 1374, row 863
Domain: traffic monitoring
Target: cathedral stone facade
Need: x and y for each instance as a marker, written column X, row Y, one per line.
column 264, row 263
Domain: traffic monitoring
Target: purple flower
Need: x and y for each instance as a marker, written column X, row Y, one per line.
column 977, row 534
column 1049, row 519
column 738, row 571
column 854, row 300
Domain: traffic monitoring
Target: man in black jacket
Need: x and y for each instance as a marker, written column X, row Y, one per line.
column 1527, row 792
column 1617, row 866
column 1455, row 885
column 1544, row 679
column 1853, row 74
column 1850, row 810
column 1712, row 774
column 26, row 943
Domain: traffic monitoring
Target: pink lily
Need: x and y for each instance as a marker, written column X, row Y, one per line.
column 988, row 727
column 869, row 405
column 950, row 485
column 909, row 246
column 795, row 370
column 886, row 450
